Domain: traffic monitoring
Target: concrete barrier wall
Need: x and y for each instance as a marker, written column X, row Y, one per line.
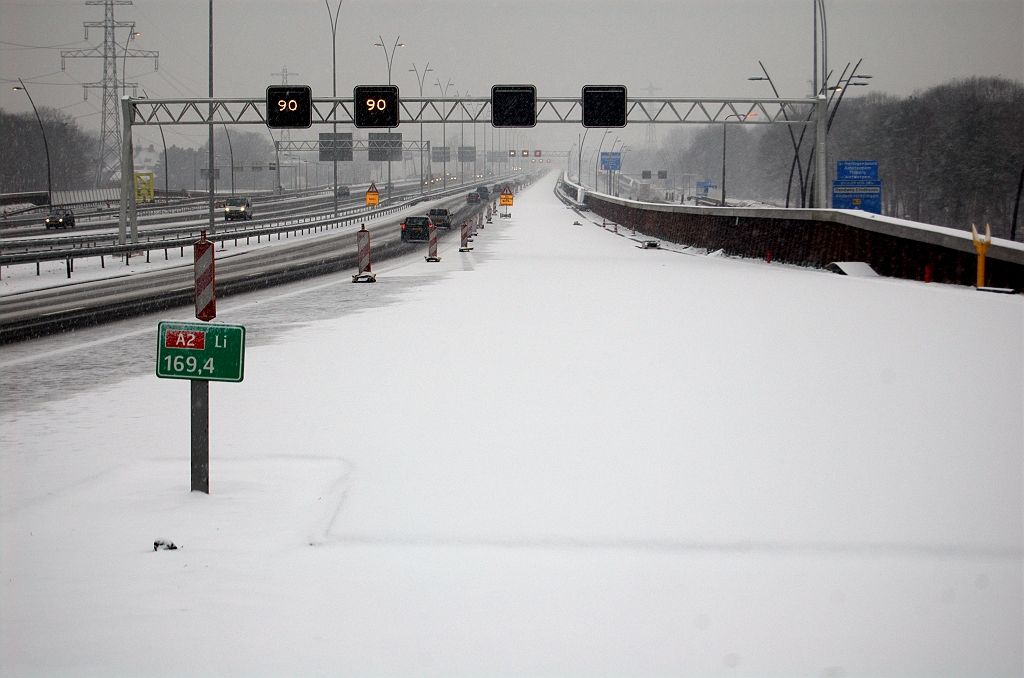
column 806, row 237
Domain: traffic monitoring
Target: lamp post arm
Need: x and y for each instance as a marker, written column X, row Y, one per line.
column 46, row 146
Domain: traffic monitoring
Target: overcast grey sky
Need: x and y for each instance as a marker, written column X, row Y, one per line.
column 685, row 47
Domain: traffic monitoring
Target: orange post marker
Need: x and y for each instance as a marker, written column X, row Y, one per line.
column 981, row 245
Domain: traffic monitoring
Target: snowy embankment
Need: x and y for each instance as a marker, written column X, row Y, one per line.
column 558, row 455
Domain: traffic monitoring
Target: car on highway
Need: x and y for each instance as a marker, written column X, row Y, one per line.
column 484, row 192
column 237, row 208
column 441, row 217
column 473, row 198
column 60, row 217
column 416, row 229
column 343, row 192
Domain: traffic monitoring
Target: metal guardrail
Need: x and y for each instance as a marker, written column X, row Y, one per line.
column 273, row 227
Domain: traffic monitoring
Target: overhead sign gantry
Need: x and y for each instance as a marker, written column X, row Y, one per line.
column 380, row 106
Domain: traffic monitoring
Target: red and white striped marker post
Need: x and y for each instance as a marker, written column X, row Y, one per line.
column 363, row 244
column 206, row 283
column 489, row 214
column 432, row 243
column 206, row 310
column 465, row 238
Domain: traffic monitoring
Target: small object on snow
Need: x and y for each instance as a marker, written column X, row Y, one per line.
column 576, row 223
column 649, row 245
column 857, row 269
column 998, row 290
column 165, row 545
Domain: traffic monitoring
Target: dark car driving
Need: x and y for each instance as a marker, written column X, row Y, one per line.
column 415, row 228
column 60, row 217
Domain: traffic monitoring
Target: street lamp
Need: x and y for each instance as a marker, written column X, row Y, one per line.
column 579, row 157
column 132, row 34
column 334, row 92
column 725, row 126
column 390, row 58
column 597, row 160
column 796, row 164
column 420, row 79
column 444, row 127
column 46, row 146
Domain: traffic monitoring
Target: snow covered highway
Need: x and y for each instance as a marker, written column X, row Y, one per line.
column 559, row 454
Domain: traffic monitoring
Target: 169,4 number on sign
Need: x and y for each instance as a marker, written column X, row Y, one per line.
column 203, row 351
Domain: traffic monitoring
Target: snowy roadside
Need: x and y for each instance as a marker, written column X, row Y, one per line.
column 559, row 454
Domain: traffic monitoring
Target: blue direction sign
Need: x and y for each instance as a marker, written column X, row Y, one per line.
column 857, row 170
column 857, row 195
column 611, row 161
column 703, row 186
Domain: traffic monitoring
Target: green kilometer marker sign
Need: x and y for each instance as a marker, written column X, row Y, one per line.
column 200, row 351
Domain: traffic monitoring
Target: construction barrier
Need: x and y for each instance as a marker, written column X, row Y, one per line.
column 465, row 238
column 432, row 243
column 363, row 244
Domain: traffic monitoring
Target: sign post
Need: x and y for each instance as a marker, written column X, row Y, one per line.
column 201, row 353
column 505, row 200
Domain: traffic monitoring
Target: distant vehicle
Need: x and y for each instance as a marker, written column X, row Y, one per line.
column 484, row 192
column 60, row 217
column 473, row 198
column 343, row 192
column 415, row 229
column 237, row 208
column 441, row 217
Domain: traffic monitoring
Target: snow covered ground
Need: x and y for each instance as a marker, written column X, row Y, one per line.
column 558, row 455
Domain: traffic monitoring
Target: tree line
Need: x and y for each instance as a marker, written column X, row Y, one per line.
column 951, row 155
column 73, row 152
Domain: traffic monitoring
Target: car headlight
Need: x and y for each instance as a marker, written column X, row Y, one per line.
column 243, row 209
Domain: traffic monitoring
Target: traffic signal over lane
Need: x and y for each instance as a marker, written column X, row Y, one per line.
column 289, row 106
column 513, row 106
column 604, row 106
column 376, row 105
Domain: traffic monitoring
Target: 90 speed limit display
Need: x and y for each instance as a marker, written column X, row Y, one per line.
column 200, row 351
column 376, row 105
column 289, row 106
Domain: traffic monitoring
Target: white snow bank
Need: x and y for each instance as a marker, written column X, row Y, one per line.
column 566, row 455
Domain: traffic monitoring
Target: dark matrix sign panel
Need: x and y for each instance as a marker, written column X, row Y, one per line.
column 289, row 107
column 604, row 106
column 376, row 106
column 513, row 106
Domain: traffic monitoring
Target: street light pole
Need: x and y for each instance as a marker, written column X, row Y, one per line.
column 46, row 146
column 444, row 128
column 579, row 158
column 124, row 62
column 211, row 163
column 334, row 92
column 419, row 81
column 597, row 160
column 725, row 126
column 390, row 60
